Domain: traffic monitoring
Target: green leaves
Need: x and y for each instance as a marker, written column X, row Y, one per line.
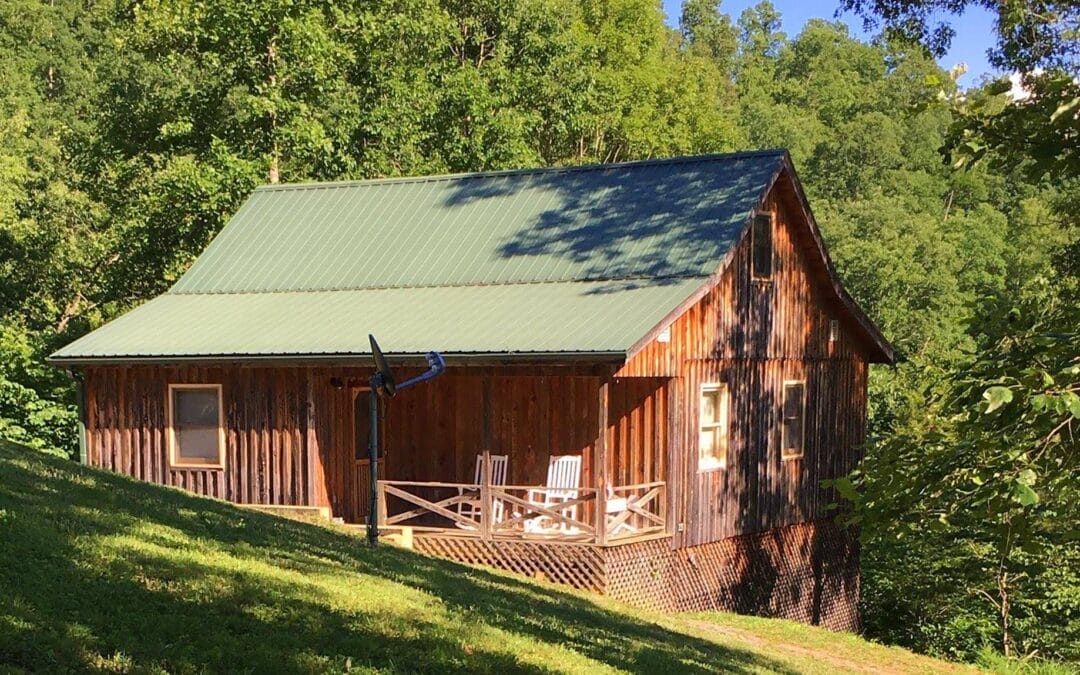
column 845, row 487
column 1024, row 495
column 996, row 397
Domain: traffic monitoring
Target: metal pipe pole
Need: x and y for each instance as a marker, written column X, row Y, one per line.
column 373, row 459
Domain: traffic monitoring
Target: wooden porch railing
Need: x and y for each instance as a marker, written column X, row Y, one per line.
column 522, row 511
column 638, row 509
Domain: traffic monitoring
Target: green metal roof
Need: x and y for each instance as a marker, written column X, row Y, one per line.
column 581, row 259
column 512, row 318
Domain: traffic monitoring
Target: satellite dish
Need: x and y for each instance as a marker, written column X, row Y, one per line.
column 383, row 381
column 386, row 381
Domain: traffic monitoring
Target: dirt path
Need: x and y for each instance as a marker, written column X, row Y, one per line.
column 911, row 663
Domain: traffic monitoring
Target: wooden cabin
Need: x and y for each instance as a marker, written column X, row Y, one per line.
column 651, row 367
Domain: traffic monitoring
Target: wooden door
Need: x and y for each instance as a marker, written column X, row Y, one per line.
column 360, row 478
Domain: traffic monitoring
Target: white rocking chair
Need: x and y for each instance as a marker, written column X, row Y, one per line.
column 471, row 508
column 563, row 480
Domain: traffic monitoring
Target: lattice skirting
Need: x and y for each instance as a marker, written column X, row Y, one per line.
column 577, row 565
column 807, row 572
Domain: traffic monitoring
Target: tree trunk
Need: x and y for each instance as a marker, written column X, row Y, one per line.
column 274, row 172
column 1005, row 611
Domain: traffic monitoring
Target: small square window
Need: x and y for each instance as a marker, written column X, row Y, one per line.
column 762, row 246
column 794, row 419
column 196, row 426
column 713, row 434
column 834, row 330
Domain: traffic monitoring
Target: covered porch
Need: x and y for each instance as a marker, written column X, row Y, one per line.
column 542, row 454
column 602, row 516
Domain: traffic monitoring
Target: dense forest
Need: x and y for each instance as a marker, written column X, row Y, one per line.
column 130, row 130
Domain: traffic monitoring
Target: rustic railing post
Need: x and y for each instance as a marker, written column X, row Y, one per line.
column 381, row 516
column 485, row 496
column 600, row 468
column 661, row 500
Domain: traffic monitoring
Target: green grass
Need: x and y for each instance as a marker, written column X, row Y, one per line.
column 102, row 573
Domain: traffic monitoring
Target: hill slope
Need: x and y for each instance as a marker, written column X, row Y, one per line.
column 100, row 572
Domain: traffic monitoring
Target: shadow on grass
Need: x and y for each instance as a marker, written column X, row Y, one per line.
column 101, row 572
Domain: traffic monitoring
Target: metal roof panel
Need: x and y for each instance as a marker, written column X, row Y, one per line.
column 600, row 317
column 636, row 220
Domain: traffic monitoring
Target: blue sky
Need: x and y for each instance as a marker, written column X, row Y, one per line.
column 974, row 29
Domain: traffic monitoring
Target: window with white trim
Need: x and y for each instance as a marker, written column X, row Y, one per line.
column 793, row 434
column 196, row 426
column 713, row 436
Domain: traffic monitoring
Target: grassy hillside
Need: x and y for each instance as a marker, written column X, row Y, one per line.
column 99, row 572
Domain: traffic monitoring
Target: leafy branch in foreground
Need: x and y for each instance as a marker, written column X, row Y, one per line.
column 998, row 464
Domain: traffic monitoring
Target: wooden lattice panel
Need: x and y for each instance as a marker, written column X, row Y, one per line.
column 578, row 565
column 807, row 572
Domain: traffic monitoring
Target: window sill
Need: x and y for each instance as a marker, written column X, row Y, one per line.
column 709, row 467
column 197, row 467
column 787, row 458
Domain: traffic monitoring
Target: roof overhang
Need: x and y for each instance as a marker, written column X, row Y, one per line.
column 352, row 359
column 880, row 350
column 568, row 321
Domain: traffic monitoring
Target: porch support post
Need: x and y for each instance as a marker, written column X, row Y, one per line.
column 485, row 496
column 311, row 445
column 80, row 402
column 679, row 475
column 600, row 464
column 373, row 459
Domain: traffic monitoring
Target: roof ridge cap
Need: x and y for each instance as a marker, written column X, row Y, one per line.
column 672, row 279
column 660, row 161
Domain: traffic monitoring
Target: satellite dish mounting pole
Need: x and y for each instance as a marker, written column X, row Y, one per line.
column 382, row 384
column 373, row 457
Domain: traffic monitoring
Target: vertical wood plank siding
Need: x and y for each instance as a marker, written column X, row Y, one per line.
column 290, row 435
column 637, row 436
column 754, row 335
column 266, row 440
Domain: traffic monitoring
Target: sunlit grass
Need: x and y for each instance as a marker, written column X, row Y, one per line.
column 102, row 573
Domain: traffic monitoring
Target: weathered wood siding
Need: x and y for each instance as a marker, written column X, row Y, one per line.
column 290, row 434
column 268, row 458
column 637, row 431
column 753, row 335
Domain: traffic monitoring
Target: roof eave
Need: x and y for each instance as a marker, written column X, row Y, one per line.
column 882, row 350
column 451, row 358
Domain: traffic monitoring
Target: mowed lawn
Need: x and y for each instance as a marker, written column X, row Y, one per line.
column 102, row 573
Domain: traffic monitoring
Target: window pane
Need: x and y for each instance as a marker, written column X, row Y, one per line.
column 707, row 444
column 198, row 444
column 195, row 425
column 793, row 400
column 196, row 407
column 793, row 417
column 762, row 245
column 709, row 406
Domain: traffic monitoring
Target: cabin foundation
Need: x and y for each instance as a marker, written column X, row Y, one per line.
column 808, row 572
